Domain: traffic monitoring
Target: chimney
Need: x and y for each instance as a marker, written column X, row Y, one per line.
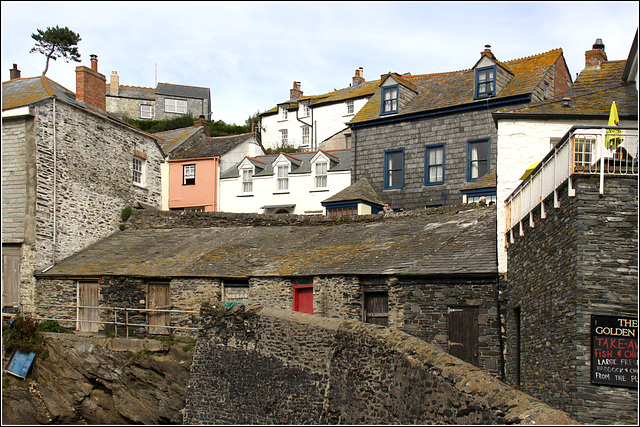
column 595, row 57
column 14, row 73
column 487, row 51
column 91, row 86
column 295, row 92
column 114, row 84
column 202, row 122
column 358, row 78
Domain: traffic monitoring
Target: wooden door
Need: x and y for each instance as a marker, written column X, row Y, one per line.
column 11, row 260
column 303, row 300
column 158, row 298
column 376, row 307
column 88, row 315
column 463, row 334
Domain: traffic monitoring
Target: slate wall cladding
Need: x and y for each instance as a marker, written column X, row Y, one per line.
column 338, row 372
column 455, row 130
column 196, row 107
column 580, row 260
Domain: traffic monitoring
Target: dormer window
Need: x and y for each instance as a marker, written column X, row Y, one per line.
column 282, row 178
column 247, row 181
column 389, row 100
column 485, row 82
column 320, row 179
column 283, row 112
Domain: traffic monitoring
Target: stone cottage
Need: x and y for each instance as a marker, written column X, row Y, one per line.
column 424, row 140
column 68, row 170
column 429, row 273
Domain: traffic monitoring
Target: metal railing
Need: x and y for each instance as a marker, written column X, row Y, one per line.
column 120, row 317
column 583, row 150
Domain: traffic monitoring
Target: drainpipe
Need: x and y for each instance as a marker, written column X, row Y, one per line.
column 501, row 344
column 55, row 163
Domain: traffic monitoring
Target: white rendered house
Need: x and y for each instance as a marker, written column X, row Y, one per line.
column 293, row 183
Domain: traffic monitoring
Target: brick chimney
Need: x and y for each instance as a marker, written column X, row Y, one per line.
column 295, row 92
column 14, row 73
column 114, row 83
column 358, row 78
column 205, row 124
column 595, row 57
column 91, row 86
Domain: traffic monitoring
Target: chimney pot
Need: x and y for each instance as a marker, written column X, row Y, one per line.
column 295, row 92
column 358, row 78
column 596, row 56
column 14, row 73
column 94, row 62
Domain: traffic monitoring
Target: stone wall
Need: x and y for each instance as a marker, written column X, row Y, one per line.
column 269, row 366
column 581, row 260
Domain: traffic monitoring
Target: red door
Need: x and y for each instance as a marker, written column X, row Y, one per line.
column 303, row 296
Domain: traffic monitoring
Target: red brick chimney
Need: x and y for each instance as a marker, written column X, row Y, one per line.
column 595, row 57
column 295, row 92
column 14, row 73
column 91, row 86
column 114, row 83
column 358, row 78
column 205, row 124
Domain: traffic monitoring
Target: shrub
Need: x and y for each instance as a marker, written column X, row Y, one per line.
column 23, row 334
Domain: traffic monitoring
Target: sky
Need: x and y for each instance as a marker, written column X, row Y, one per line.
column 250, row 53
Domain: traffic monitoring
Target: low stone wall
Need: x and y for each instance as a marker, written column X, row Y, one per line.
column 269, row 366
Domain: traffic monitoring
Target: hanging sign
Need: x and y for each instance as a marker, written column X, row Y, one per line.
column 614, row 351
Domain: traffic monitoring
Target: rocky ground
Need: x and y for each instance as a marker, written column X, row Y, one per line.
column 93, row 380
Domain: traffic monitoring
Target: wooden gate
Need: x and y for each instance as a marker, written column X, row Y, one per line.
column 11, row 260
column 88, row 293
column 463, row 334
column 376, row 307
column 158, row 298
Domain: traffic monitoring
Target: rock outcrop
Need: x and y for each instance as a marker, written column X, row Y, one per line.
column 98, row 380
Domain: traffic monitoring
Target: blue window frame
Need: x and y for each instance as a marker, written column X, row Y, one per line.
column 394, row 168
column 477, row 158
column 389, row 102
column 434, row 164
column 485, row 82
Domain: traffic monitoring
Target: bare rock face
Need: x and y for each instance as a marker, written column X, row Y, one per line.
column 93, row 380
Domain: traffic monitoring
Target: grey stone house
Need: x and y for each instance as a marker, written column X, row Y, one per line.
column 68, row 170
column 423, row 140
column 166, row 101
column 431, row 273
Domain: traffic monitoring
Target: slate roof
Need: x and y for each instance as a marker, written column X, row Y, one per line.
column 590, row 95
column 340, row 160
column 454, row 89
column 26, row 91
column 359, row 190
column 451, row 240
column 214, row 146
column 172, row 139
column 183, row 91
column 340, row 95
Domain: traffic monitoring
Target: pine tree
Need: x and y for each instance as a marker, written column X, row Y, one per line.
column 57, row 43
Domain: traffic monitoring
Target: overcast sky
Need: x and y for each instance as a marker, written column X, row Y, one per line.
column 250, row 53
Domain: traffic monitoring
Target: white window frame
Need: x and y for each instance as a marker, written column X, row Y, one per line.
column 350, row 107
column 320, row 174
column 282, row 177
column 146, row 111
column 188, row 173
column 175, row 106
column 283, row 112
column 284, row 136
column 247, row 181
column 305, row 135
column 139, row 169
column 306, row 110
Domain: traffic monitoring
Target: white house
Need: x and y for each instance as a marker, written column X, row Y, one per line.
column 527, row 134
column 294, row 183
column 304, row 122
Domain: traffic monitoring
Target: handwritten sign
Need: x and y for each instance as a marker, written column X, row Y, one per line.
column 614, row 351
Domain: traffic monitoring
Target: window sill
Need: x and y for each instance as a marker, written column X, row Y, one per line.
column 244, row 195
column 321, row 190
column 280, row 192
column 143, row 187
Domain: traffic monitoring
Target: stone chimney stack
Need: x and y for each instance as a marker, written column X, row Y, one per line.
column 295, row 92
column 114, row 84
column 202, row 122
column 91, row 86
column 14, row 73
column 595, row 57
column 358, row 78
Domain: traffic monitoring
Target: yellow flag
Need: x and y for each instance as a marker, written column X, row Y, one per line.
column 612, row 142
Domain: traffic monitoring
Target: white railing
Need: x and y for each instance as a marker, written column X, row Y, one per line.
column 583, row 150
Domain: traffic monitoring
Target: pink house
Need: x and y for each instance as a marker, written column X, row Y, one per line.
column 193, row 184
